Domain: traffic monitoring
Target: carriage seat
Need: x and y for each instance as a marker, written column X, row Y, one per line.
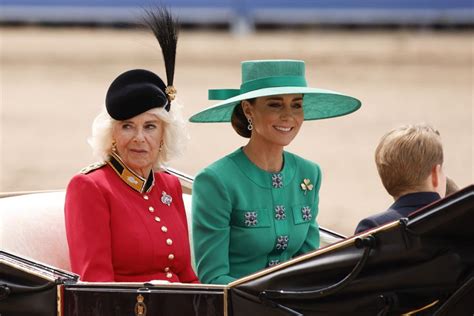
column 32, row 226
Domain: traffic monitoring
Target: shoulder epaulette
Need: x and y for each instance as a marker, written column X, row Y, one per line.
column 92, row 167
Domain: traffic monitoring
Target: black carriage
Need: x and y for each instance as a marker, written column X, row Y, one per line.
column 420, row 265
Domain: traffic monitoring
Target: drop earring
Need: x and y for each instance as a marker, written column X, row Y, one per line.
column 161, row 146
column 250, row 126
column 114, row 146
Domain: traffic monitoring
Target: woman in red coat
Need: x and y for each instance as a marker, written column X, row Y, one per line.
column 125, row 221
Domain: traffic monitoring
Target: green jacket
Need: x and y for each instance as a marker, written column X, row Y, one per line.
column 246, row 219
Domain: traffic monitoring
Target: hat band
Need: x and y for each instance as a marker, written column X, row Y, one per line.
column 271, row 82
column 268, row 82
column 222, row 94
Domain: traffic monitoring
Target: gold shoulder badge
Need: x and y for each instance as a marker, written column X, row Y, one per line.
column 92, row 167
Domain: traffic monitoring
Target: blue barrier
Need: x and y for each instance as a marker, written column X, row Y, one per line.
column 250, row 4
column 246, row 13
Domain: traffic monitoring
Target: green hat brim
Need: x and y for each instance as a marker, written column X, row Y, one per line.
column 317, row 104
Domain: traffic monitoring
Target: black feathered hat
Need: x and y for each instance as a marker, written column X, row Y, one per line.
column 136, row 91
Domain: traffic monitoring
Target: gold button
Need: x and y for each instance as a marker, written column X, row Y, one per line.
column 157, row 219
column 151, row 209
column 169, row 242
column 164, row 229
column 146, row 197
column 167, row 269
column 170, row 256
column 169, row 275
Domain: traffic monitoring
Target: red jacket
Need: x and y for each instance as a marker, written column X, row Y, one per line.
column 118, row 234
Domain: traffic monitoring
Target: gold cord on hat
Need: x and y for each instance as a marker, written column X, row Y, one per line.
column 171, row 92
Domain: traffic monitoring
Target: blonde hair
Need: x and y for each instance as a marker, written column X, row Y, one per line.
column 175, row 135
column 406, row 155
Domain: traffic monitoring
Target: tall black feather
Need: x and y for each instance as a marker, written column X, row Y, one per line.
column 165, row 29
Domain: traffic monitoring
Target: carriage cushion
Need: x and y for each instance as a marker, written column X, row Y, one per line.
column 32, row 226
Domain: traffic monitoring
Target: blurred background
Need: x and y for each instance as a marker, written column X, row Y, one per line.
column 407, row 61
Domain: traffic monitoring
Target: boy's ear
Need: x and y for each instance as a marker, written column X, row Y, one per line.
column 435, row 175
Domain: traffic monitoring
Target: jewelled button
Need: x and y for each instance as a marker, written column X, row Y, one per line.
column 250, row 219
column 164, row 229
column 169, row 242
column 277, row 180
column 157, row 219
column 306, row 213
column 169, row 275
column 282, row 243
column 151, row 209
column 146, row 197
column 167, row 269
column 280, row 212
column 170, row 256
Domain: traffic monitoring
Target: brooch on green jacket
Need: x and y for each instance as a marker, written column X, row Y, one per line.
column 306, row 186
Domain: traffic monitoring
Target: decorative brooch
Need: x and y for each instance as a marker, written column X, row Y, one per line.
column 306, row 186
column 132, row 180
column 171, row 92
column 166, row 199
column 140, row 306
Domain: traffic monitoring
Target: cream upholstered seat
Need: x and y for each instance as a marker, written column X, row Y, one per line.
column 32, row 226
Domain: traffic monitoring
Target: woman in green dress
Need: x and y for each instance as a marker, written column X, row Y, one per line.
column 257, row 206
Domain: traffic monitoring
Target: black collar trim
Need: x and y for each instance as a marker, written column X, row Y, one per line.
column 129, row 176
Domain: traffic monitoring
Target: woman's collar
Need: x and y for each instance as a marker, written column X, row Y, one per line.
column 130, row 177
column 275, row 180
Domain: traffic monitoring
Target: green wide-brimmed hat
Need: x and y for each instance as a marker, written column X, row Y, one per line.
column 272, row 77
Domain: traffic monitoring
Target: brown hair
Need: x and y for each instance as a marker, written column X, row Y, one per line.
column 239, row 120
column 406, row 155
